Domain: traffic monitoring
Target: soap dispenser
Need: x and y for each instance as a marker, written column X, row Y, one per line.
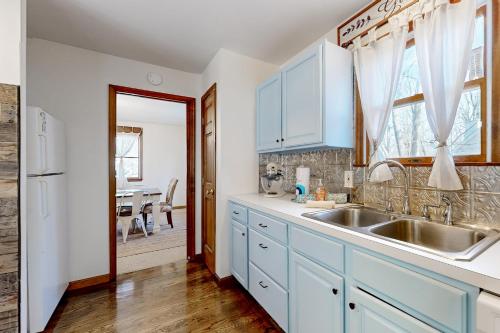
column 321, row 191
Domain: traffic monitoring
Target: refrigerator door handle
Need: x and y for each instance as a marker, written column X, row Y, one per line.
column 44, row 198
column 42, row 139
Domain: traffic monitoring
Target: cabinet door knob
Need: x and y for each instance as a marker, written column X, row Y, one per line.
column 335, row 291
column 243, row 234
column 352, row 306
column 277, row 140
column 282, row 139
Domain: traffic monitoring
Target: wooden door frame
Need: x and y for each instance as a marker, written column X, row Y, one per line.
column 190, row 103
column 203, row 152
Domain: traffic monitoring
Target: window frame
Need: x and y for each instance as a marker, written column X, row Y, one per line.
column 362, row 145
column 138, row 130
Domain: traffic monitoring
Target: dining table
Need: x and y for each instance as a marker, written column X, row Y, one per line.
column 151, row 194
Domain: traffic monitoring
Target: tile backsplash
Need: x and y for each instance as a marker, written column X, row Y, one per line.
column 477, row 203
column 329, row 165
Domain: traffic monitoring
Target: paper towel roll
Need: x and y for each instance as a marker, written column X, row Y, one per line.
column 302, row 186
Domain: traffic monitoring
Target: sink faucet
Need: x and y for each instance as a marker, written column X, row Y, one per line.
column 392, row 163
column 447, row 214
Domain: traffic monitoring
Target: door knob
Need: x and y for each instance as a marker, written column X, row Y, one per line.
column 352, row 306
column 335, row 291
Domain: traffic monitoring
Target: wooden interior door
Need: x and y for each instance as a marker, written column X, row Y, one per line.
column 208, row 109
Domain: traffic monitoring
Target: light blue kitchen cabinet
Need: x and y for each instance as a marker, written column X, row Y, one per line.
column 269, row 114
column 316, row 102
column 302, row 112
column 239, row 254
column 368, row 314
column 316, row 297
column 310, row 282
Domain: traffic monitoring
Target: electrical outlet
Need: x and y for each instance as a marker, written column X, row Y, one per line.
column 348, row 179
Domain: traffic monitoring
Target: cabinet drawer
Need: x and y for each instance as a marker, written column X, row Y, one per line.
column 270, row 295
column 443, row 303
column 321, row 249
column 239, row 213
column 268, row 226
column 269, row 256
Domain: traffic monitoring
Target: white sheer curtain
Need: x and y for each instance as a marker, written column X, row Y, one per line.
column 444, row 34
column 124, row 143
column 378, row 68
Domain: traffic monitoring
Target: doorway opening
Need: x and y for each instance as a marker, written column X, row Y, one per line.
column 151, row 178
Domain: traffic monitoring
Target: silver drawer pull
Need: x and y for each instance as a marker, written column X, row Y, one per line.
column 262, row 246
column 262, row 285
column 262, row 225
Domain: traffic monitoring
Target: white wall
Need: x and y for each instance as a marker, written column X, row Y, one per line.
column 237, row 161
column 10, row 38
column 164, row 157
column 72, row 84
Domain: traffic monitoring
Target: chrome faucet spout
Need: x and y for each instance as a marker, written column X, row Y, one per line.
column 447, row 215
column 392, row 163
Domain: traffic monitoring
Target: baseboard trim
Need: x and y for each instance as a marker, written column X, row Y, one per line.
column 89, row 282
column 225, row 282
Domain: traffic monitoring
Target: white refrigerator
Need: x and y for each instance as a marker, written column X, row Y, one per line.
column 47, row 231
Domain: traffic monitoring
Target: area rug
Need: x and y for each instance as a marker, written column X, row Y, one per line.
column 167, row 237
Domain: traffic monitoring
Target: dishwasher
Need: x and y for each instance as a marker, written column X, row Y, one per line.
column 488, row 313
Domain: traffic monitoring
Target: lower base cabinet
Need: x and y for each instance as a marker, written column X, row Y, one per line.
column 310, row 283
column 316, row 297
column 239, row 253
column 270, row 295
column 368, row 314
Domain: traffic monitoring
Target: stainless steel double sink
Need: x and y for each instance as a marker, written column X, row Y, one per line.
column 456, row 242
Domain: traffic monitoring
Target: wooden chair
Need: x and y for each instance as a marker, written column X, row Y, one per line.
column 165, row 206
column 127, row 217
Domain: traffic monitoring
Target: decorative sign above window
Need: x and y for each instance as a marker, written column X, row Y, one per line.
column 375, row 14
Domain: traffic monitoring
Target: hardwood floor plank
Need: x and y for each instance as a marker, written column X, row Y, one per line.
column 179, row 297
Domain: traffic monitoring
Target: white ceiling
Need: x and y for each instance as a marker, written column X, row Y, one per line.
column 148, row 110
column 186, row 34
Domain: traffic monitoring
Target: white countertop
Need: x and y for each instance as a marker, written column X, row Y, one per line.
column 483, row 271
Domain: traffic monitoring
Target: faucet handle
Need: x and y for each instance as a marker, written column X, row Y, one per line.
column 389, row 208
column 425, row 212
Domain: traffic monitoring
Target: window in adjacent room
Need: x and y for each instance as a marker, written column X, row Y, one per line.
column 408, row 136
column 132, row 161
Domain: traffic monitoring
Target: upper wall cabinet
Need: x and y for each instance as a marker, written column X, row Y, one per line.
column 269, row 114
column 315, row 102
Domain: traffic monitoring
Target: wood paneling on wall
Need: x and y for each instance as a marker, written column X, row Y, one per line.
column 9, row 214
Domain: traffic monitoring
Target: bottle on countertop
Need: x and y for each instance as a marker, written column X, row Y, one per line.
column 321, row 193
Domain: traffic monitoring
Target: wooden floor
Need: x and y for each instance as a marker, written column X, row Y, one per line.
column 178, row 297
